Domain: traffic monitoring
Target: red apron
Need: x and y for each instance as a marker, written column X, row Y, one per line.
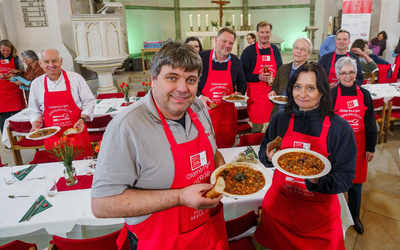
column 332, row 78
column 292, row 216
column 11, row 96
column 182, row 227
column 259, row 106
column 224, row 116
column 352, row 109
column 60, row 110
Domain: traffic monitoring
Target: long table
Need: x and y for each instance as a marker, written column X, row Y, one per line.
column 387, row 91
column 102, row 108
column 71, row 215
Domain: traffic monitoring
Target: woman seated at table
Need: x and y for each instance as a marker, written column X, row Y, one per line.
column 355, row 105
column 359, row 48
column 305, row 213
column 30, row 58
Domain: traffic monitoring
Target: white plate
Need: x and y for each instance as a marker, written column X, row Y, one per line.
column 262, row 169
column 233, row 101
column 43, row 137
column 327, row 163
column 272, row 98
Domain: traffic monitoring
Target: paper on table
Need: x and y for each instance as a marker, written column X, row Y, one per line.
column 45, row 205
column 20, row 175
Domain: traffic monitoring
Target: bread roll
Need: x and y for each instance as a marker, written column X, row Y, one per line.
column 213, row 105
column 275, row 144
column 217, row 189
column 71, row 131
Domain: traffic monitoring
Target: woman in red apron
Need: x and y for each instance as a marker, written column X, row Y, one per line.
column 357, row 108
column 183, row 227
column 259, row 106
column 61, row 110
column 333, row 79
column 224, row 116
column 11, row 97
column 305, row 213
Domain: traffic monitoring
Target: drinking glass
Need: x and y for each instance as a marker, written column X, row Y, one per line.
column 368, row 84
column 50, row 186
column 8, row 175
column 89, row 165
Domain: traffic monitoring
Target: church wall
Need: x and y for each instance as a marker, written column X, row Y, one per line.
column 390, row 22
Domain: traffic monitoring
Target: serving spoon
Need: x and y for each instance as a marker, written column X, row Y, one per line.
column 40, row 177
column 16, row 196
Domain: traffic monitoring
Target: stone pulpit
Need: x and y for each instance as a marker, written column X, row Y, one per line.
column 100, row 45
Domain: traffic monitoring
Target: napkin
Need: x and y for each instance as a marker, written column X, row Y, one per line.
column 244, row 103
column 20, row 175
column 84, row 182
column 137, row 98
column 123, row 104
column 45, row 205
column 98, row 101
column 373, row 94
column 111, row 109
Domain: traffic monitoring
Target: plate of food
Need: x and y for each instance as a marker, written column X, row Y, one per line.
column 43, row 133
column 278, row 99
column 301, row 163
column 235, row 98
column 248, row 155
column 241, row 179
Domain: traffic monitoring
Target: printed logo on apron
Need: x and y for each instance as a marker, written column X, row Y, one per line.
column 266, row 58
column 352, row 104
column 303, row 145
column 4, row 61
column 198, row 160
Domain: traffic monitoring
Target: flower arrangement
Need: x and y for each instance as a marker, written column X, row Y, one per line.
column 146, row 86
column 66, row 151
column 214, row 23
column 125, row 89
column 97, row 148
column 228, row 22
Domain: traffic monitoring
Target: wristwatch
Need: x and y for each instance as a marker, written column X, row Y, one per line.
column 84, row 120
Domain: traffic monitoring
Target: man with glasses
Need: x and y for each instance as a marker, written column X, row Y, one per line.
column 302, row 49
column 342, row 41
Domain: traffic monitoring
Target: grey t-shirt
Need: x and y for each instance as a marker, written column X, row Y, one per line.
column 135, row 151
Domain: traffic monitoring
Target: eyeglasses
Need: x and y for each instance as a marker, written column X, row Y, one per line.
column 351, row 73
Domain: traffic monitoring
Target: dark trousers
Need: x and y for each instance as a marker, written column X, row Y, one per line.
column 354, row 198
column 3, row 118
column 133, row 240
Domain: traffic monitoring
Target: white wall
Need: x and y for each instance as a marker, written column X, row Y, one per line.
column 39, row 38
column 390, row 10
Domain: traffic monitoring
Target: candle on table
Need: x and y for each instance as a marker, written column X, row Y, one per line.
column 198, row 20
column 206, row 20
column 233, row 19
column 190, row 20
column 249, row 19
column 241, row 19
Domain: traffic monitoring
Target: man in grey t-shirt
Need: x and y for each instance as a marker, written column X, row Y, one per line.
column 156, row 160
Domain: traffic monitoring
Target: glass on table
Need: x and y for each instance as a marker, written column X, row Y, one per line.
column 89, row 165
column 8, row 175
column 50, row 186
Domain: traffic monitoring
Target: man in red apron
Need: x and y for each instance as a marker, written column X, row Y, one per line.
column 166, row 154
column 222, row 76
column 61, row 99
column 328, row 60
column 260, row 64
column 11, row 97
column 351, row 106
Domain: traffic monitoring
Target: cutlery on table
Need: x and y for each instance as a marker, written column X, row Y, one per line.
column 27, row 169
column 30, row 209
column 17, row 196
column 39, row 178
column 35, row 209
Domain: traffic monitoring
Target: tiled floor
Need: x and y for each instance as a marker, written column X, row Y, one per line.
column 380, row 207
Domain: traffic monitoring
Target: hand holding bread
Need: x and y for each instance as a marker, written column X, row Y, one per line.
column 217, row 189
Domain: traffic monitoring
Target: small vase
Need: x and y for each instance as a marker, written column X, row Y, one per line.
column 71, row 178
column 214, row 29
column 126, row 100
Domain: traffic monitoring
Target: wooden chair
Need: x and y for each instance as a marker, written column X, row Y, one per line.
column 97, row 127
column 1, row 164
column 106, row 242
column 241, row 230
column 19, row 245
column 392, row 115
column 110, row 95
column 383, row 72
column 380, row 115
column 369, row 75
column 19, row 142
column 243, row 126
column 251, row 139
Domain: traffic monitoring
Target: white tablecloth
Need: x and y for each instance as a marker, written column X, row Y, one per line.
column 387, row 91
column 100, row 109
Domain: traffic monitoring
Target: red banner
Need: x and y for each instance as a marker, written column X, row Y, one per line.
column 357, row 6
